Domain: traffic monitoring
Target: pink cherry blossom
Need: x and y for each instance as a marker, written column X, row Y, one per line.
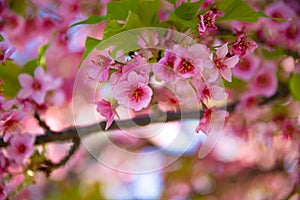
column 5, row 52
column 99, row 69
column 164, row 68
column 223, row 65
column 246, row 67
column 167, row 101
column 209, row 115
column 36, row 88
column 10, row 124
column 5, row 105
column 243, row 44
column 106, row 110
column 265, row 81
column 21, row 148
column 192, row 60
column 4, row 163
column 133, row 93
column 207, row 22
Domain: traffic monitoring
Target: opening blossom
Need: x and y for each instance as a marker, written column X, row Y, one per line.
column 223, row 65
column 10, row 124
column 99, row 70
column 36, row 87
column 5, row 52
column 21, row 148
column 243, row 44
column 106, row 110
column 133, row 92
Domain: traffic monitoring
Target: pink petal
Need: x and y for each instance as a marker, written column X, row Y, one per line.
column 39, row 72
column 226, row 74
column 39, row 97
column 222, row 51
column 25, row 80
column 232, row 61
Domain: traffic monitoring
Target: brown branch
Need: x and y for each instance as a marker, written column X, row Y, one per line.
column 83, row 131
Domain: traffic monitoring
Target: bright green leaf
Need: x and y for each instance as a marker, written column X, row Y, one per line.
column 188, row 10
column 132, row 21
column 148, row 12
column 90, row 44
column 1, row 38
column 294, row 85
column 112, row 28
column 237, row 10
column 9, row 74
column 235, row 83
column 92, row 19
column 262, row 14
column 119, row 9
column 30, row 66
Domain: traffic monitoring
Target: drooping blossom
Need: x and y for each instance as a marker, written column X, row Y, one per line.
column 21, row 148
column 36, row 88
column 133, row 92
column 246, row 67
column 209, row 118
column 106, row 110
column 10, row 123
column 243, row 44
column 223, row 65
column 207, row 21
column 265, row 81
column 164, row 68
column 5, row 52
column 99, row 69
column 165, row 98
column 192, row 60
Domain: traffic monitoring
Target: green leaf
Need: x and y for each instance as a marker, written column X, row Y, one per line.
column 237, row 10
column 294, row 86
column 188, row 10
column 92, row 19
column 9, row 74
column 172, row 2
column 148, row 12
column 1, row 38
column 132, row 21
column 262, row 14
column 235, row 83
column 119, row 9
column 30, row 66
column 90, row 44
column 112, row 28
column 19, row 6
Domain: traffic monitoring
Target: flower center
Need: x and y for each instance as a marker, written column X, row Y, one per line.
column 262, row 80
column 21, row 148
column 219, row 64
column 36, row 85
column 137, row 94
column 186, row 66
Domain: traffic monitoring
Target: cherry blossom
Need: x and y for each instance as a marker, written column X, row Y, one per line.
column 246, row 67
column 5, row 52
column 5, row 105
column 243, row 44
column 106, row 110
column 207, row 22
column 191, row 61
column 133, row 92
column 21, row 148
column 99, row 69
column 265, row 81
column 3, row 194
column 164, row 68
column 10, row 123
column 223, row 65
column 36, row 88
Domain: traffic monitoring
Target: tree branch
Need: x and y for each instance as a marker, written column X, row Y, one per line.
column 83, row 131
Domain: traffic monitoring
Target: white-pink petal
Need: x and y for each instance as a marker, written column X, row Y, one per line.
column 222, row 51
column 232, row 61
column 226, row 74
column 25, row 80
